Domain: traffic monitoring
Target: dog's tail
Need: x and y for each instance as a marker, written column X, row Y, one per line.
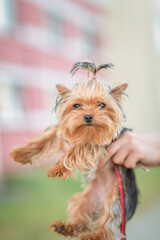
column 42, row 146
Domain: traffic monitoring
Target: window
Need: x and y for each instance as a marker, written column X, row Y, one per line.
column 10, row 102
column 6, row 15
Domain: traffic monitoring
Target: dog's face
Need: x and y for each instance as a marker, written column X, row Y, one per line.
column 90, row 112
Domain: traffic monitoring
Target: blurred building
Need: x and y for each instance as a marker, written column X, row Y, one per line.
column 39, row 42
column 135, row 27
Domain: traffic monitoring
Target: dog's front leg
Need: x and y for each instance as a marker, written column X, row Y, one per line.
column 43, row 146
column 59, row 170
column 64, row 167
column 73, row 158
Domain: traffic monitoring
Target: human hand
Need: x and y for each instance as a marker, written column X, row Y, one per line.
column 130, row 149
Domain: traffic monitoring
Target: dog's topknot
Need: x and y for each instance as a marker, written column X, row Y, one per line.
column 89, row 66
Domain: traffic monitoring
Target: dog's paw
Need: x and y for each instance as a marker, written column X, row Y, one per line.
column 56, row 172
column 68, row 230
column 19, row 155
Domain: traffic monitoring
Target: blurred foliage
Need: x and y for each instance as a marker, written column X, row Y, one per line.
column 30, row 200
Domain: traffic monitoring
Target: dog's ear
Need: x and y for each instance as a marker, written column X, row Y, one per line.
column 63, row 93
column 61, row 88
column 118, row 92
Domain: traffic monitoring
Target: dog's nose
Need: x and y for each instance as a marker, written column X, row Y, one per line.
column 88, row 118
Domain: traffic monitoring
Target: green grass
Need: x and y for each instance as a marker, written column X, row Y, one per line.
column 149, row 186
column 29, row 201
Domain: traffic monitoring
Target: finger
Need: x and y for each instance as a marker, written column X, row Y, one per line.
column 111, row 151
column 131, row 160
column 121, row 155
column 116, row 146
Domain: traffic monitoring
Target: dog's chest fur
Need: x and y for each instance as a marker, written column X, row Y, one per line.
column 88, row 156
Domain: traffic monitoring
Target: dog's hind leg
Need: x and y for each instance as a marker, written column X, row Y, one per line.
column 79, row 215
column 107, row 226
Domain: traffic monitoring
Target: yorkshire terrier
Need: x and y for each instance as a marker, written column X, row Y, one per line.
column 90, row 117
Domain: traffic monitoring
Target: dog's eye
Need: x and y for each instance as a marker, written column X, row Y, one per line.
column 101, row 105
column 77, row 105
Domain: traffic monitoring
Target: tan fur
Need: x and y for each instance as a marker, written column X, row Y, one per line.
column 41, row 147
column 117, row 92
column 92, row 208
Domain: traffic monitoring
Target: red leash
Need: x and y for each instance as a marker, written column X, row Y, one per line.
column 122, row 201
